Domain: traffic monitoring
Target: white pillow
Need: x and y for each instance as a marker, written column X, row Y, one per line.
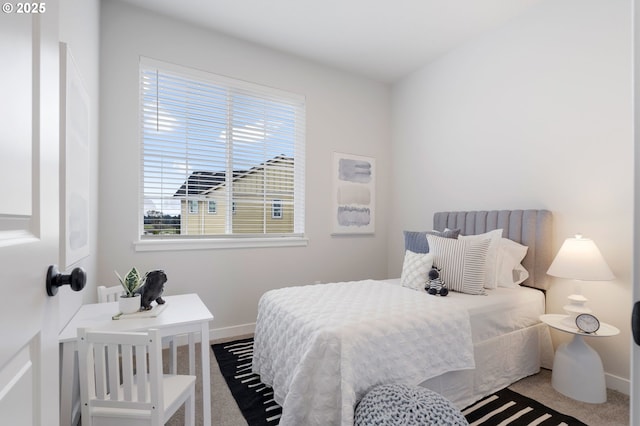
column 490, row 274
column 415, row 268
column 519, row 274
column 510, row 272
column 462, row 263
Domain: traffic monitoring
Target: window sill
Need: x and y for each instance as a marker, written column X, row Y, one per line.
column 222, row 243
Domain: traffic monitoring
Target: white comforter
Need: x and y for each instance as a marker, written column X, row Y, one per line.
column 322, row 347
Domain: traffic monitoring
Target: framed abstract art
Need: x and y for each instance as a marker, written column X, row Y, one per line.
column 354, row 194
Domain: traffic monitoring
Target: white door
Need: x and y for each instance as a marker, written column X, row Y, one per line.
column 29, row 213
column 635, row 351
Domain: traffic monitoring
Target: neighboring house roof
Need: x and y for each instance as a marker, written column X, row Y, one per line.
column 201, row 182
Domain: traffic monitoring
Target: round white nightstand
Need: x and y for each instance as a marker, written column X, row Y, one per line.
column 577, row 368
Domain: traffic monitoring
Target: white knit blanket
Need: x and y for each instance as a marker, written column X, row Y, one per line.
column 322, row 347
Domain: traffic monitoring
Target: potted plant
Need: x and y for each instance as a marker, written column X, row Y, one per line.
column 130, row 300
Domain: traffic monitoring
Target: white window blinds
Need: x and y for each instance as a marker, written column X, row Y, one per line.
column 211, row 140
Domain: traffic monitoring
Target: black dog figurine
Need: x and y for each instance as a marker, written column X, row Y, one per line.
column 152, row 289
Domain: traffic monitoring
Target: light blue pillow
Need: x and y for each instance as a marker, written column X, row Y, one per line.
column 416, row 241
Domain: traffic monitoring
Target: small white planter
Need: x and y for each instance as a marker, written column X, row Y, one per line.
column 129, row 305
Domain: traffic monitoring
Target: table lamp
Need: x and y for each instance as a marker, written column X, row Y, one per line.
column 579, row 259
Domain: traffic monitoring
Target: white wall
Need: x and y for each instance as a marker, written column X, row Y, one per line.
column 344, row 113
column 79, row 28
column 536, row 114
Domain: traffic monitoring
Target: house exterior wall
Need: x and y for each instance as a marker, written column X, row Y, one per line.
column 277, row 184
column 254, row 194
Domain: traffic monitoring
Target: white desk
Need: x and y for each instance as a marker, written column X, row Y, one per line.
column 183, row 314
column 577, row 368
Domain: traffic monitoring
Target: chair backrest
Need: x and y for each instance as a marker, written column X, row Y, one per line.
column 120, row 374
column 109, row 294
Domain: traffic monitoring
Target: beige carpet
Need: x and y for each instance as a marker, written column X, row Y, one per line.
column 225, row 412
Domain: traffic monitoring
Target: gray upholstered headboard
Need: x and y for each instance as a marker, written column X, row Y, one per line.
column 531, row 228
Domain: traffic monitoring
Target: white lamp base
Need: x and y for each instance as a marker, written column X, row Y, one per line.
column 575, row 307
column 578, row 372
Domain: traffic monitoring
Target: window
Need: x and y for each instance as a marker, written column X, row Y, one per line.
column 193, row 206
column 237, row 146
column 213, row 208
column 276, row 209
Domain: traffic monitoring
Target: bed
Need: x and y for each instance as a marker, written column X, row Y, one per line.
column 322, row 347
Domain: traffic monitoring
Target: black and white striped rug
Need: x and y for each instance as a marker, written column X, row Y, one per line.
column 507, row 407
column 254, row 399
column 256, row 403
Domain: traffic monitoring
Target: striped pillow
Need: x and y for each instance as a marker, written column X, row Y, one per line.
column 490, row 273
column 462, row 262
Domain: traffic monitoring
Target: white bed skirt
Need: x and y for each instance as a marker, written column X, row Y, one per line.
column 500, row 361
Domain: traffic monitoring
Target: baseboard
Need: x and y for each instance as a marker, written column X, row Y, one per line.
column 236, row 330
column 220, row 333
column 618, row 383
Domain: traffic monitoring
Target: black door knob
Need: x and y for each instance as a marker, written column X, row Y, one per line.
column 635, row 322
column 76, row 279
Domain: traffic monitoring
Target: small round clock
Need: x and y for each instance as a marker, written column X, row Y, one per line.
column 587, row 323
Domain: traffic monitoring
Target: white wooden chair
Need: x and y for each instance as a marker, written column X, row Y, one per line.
column 112, row 294
column 130, row 365
column 109, row 294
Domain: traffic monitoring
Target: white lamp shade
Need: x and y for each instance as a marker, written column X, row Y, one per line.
column 580, row 259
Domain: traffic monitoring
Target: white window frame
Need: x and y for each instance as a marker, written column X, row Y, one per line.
column 179, row 242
